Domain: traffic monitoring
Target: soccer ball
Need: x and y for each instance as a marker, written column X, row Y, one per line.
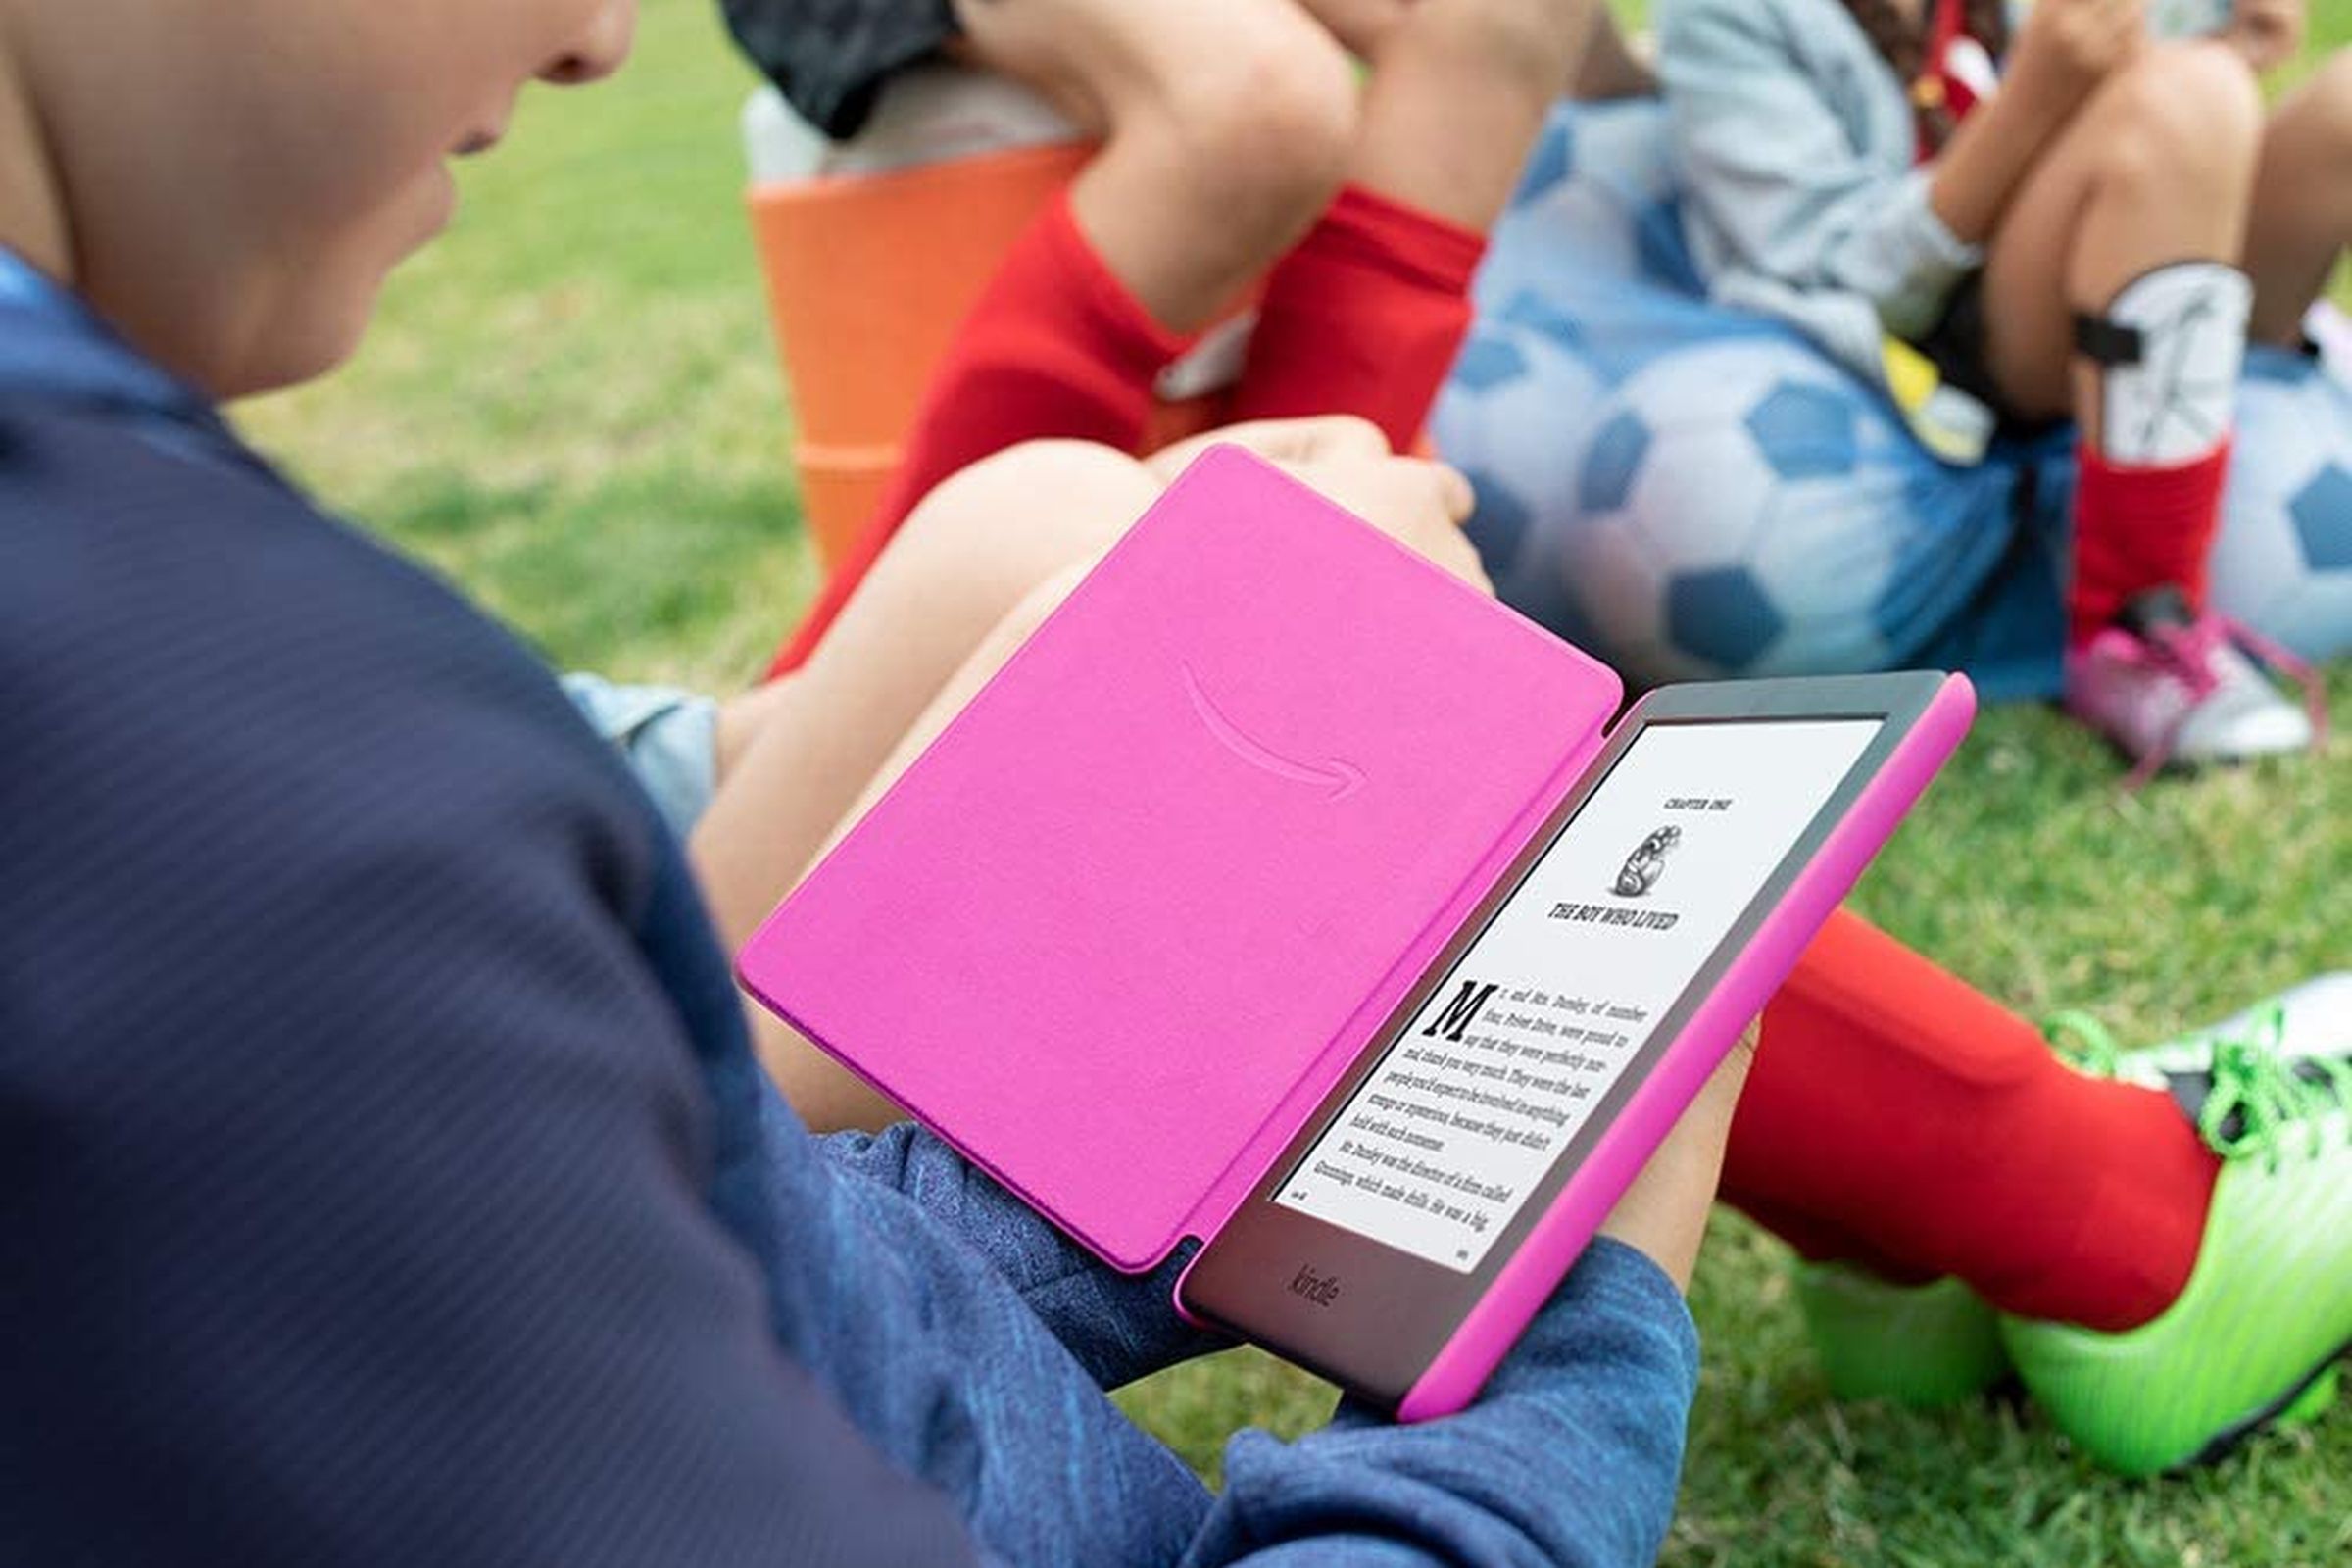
column 1596, row 201
column 1512, row 417
column 1680, row 490
column 1730, row 515
column 2284, row 561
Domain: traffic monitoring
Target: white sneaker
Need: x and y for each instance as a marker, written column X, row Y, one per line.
column 2176, row 689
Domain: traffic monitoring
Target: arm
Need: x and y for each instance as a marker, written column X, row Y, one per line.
column 1764, row 156
column 1571, row 1454
column 1119, row 1326
column 1986, row 162
column 1570, row 1457
column 1775, row 172
column 2062, row 51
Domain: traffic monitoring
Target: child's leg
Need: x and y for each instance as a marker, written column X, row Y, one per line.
column 2302, row 212
column 1899, row 1120
column 2111, row 295
column 793, row 755
column 1224, row 125
column 823, row 1093
column 1610, row 68
column 984, row 561
column 977, row 567
column 1366, row 315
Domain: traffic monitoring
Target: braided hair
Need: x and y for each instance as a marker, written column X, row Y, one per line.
column 1902, row 41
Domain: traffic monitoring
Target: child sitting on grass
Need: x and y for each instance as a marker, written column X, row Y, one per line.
column 1237, row 141
column 2077, row 221
column 1920, row 1144
column 387, row 1177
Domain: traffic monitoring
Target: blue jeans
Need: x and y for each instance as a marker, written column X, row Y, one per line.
column 670, row 738
column 972, row 1343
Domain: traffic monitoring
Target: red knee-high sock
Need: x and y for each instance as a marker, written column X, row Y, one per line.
column 1898, row 1119
column 1364, row 317
column 1057, row 347
column 2141, row 527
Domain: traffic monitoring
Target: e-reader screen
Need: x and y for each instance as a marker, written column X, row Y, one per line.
column 1557, row 995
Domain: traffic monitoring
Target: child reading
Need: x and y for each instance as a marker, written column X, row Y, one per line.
column 387, row 1177
column 2166, row 1237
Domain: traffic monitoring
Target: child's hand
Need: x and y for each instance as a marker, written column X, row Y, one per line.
column 1307, row 439
column 1664, row 1213
column 2066, row 48
column 2267, row 32
column 1418, row 502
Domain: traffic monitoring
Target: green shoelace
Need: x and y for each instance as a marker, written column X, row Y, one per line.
column 2083, row 1040
column 2262, row 1105
column 2268, row 1108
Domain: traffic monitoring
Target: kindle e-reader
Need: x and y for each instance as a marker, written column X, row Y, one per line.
column 1447, row 1182
column 1157, row 930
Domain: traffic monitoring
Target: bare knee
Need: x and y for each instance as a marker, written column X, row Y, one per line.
column 1033, row 609
column 2182, row 122
column 1010, row 520
column 1268, row 124
column 1542, row 43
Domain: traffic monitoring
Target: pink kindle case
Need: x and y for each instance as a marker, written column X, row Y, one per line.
column 1121, row 927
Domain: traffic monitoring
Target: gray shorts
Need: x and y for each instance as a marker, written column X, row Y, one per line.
column 669, row 738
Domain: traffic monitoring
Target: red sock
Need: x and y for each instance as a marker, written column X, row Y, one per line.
column 2141, row 527
column 1364, row 317
column 1056, row 347
column 1900, row 1121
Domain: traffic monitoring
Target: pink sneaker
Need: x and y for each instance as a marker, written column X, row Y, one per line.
column 2174, row 688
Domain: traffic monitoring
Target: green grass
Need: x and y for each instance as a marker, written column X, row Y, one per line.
column 571, row 407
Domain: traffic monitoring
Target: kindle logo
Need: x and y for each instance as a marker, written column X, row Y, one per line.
column 1320, row 1288
column 1335, row 778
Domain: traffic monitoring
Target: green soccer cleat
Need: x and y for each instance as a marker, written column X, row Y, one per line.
column 1936, row 1345
column 1925, row 1346
column 2255, row 1334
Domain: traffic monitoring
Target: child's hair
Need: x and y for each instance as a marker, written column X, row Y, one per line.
column 1902, row 41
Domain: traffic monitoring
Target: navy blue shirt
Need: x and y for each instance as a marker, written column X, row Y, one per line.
column 378, row 1128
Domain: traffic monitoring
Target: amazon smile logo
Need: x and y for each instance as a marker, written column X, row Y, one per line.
column 1335, row 778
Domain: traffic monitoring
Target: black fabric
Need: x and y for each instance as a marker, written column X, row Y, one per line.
column 1957, row 345
column 831, row 57
column 366, row 1182
column 2192, row 1090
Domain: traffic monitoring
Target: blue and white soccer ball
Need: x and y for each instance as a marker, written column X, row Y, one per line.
column 1726, row 518
column 1690, row 492
column 2284, row 561
column 1513, row 417
column 1685, row 491
column 1596, row 201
